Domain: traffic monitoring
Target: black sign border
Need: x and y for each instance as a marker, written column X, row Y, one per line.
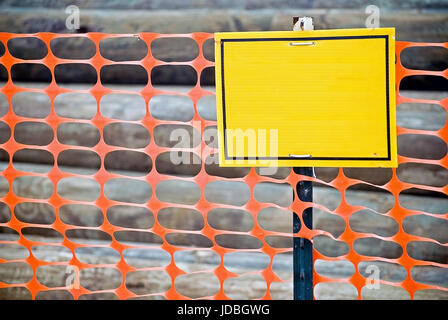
column 385, row 37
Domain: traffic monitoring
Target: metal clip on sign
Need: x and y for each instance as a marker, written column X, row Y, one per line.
column 300, row 156
column 305, row 43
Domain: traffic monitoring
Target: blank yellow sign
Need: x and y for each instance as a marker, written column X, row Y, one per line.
column 321, row 98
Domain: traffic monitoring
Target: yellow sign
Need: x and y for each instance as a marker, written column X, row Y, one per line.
column 322, row 98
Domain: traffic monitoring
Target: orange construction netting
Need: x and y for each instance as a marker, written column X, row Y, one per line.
column 394, row 186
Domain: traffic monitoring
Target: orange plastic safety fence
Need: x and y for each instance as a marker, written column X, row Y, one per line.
column 202, row 179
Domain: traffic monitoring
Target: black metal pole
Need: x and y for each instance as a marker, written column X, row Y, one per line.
column 303, row 248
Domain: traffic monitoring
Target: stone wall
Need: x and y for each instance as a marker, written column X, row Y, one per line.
column 414, row 21
column 227, row 4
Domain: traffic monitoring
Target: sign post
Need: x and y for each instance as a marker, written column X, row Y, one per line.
column 303, row 248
